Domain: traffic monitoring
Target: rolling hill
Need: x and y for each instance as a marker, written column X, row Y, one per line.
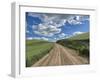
column 36, row 49
column 80, row 43
column 83, row 36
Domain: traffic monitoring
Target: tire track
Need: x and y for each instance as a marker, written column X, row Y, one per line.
column 60, row 55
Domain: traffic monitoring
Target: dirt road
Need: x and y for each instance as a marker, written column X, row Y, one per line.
column 60, row 55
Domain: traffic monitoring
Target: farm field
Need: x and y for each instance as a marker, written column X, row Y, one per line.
column 36, row 49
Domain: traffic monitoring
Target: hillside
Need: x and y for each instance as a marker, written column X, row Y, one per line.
column 80, row 43
column 83, row 36
column 36, row 49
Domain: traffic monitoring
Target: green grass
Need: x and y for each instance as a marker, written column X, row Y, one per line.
column 80, row 43
column 83, row 36
column 36, row 49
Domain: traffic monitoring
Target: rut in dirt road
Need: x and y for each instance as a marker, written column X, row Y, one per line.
column 60, row 55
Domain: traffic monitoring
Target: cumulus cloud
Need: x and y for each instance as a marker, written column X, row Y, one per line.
column 51, row 24
column 62, row 35
column 36, row 38
column 44, row 38
column 29, row 38
column 74, row 20
column 41, row 38
column 47, row 30
column 77, row 19
column 77, row 32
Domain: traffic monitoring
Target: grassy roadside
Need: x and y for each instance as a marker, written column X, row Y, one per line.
column 36, row 49
column 80, row 43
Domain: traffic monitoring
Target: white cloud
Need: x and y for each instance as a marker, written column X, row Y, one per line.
column 77, row 18
column 36, row 38
column 41, row 38
column 77, row 32
column 47, row 30
column 29, row 38
column 52, row 23
column 55, row 38
column 27, row 31
column 34, row 27
column 74, row 20
column 44, row 38
column 62, row 35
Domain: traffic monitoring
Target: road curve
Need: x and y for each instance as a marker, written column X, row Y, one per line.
column 60, row 55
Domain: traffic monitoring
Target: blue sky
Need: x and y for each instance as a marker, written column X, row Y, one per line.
column 53, row 27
